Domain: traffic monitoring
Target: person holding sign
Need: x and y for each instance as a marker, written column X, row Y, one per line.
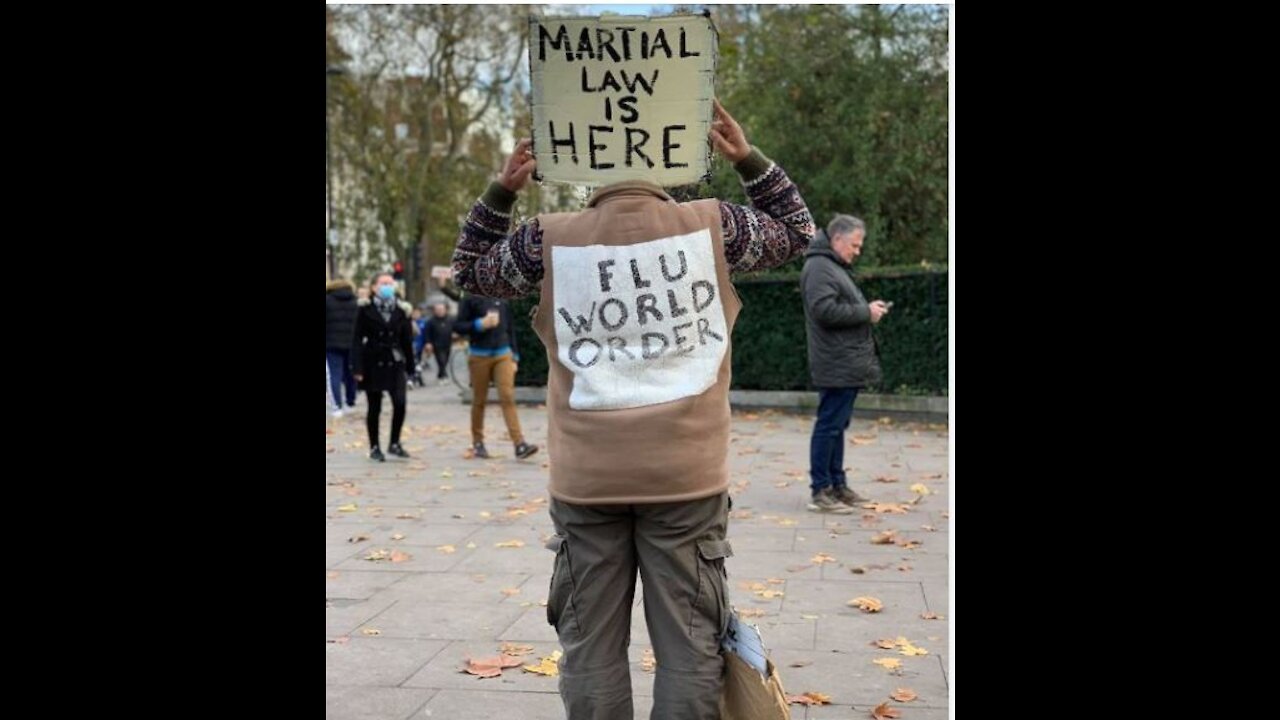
column 637, row 312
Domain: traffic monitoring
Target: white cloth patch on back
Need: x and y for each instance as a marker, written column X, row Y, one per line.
column 639, row 325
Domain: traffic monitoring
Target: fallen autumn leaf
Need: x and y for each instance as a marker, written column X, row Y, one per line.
column 809, row 698
column 549, row 666
column 490, row 667
column 883, row 711
column 896, row 508
column 867, row 604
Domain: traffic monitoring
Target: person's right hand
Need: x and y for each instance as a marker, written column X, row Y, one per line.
column 359, row 378
column 519, row 167
column 429, row 349
column 489, row 322
column 727, row 136
column 878, row 310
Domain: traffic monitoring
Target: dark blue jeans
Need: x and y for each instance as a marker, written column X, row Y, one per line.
column 826, row 447
column 340, row 376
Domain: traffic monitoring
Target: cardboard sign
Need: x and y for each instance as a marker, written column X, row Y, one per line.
column 622, row 98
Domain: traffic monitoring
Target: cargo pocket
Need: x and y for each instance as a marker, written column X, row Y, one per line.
column 712, row 602
column 560, row 594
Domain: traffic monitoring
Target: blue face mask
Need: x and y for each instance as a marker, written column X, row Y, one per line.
column 386, row 292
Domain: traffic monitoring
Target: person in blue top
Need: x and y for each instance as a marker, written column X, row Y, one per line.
column 419, row 342
column 494, row 356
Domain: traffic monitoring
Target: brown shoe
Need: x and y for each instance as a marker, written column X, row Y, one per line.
column 825, row 501
column 847, row 496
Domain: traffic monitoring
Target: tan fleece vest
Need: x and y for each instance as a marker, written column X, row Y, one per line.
column 637, row 312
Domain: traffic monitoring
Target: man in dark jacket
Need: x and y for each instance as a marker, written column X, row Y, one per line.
column 438, row 334
column 339, row 324
column 842, row 355
column 494, row 355
column 382, row 351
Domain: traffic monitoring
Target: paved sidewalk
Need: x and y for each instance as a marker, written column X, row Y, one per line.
column 453, row 593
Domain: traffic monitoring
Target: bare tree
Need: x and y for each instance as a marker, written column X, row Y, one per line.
column 422, row 110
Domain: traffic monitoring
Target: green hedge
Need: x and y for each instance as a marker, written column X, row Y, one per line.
column 769, row 351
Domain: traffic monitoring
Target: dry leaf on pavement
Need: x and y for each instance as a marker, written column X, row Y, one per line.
column 549, row 666
column 867, row 604
column 648, row 663
column 809, row 698
column 491, row 666
column 883, row 711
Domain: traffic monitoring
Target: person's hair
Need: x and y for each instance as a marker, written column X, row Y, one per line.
column 378, row 276
column 685, row 193
column 844, row 225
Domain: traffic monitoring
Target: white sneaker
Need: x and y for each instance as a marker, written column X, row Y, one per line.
column 337, row 412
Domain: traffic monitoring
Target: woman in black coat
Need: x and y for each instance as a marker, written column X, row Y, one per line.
column 380, row 355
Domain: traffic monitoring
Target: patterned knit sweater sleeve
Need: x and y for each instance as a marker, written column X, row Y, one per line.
column 495, row 261
column 491, row 261
column 777, row 227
